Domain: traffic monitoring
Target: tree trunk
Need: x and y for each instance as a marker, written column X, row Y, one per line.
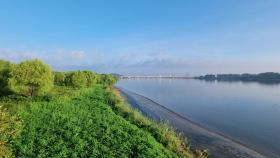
column 32, row 91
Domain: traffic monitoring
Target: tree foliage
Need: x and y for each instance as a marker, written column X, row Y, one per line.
column 81, row 79
column 107, row 79
column 31, row 78
column 91, row 78
column 59, row 78
column 5, row 68
column 78, row 79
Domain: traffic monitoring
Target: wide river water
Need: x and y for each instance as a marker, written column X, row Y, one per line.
column 246, row 112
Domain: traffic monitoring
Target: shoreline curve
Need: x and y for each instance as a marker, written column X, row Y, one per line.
column 218, row 144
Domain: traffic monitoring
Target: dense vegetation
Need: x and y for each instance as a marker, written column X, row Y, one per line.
column 75, row 114
column 268, row 77
column 5, row 68
column 84, row 126
column 31, row 78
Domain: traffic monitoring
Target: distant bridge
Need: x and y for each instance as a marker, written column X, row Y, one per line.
column 155, row 77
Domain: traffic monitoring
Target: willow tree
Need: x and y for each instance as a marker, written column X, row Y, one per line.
column 79, row 79
column 91, row 78
column 59, row 78
column 107, row 79
column 31, row 78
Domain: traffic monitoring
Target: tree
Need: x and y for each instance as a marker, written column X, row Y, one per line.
column 107, row 79
column 91, row 78
column 68, row 78
column 78, row 79
column 31, row 78
column 59, row 78
column 5, row 68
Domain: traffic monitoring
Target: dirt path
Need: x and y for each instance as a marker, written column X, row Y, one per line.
column 218, row 144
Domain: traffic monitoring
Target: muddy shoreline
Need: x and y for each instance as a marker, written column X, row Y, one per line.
column 219, row 145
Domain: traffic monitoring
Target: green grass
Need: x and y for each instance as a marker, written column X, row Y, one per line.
column 9, row 128
column 82, row 125
column 161, row 131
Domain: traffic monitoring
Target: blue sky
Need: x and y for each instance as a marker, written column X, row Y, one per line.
column 144, row 36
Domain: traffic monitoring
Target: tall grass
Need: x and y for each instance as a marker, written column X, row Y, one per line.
column 9, row 128
column 161, row 131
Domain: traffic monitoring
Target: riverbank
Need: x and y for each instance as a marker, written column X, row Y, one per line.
column 218, row 144
column 91, row 122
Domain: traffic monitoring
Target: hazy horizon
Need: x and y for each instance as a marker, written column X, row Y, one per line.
column 144, row 37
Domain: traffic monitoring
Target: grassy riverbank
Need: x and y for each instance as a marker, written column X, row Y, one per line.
column 91, row 122
column 75, row 114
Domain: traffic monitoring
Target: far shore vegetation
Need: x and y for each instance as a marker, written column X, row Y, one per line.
column 266, row 78
column 46, row 113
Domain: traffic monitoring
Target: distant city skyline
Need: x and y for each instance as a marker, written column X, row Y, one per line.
column 144, row 37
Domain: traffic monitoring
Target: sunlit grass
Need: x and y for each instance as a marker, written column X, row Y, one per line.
column 161, row 131
column 84, row 125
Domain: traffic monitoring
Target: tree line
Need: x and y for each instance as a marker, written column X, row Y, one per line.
column 267, row 77
column 33, row 78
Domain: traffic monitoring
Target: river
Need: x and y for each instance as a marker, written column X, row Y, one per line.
column 246, row 112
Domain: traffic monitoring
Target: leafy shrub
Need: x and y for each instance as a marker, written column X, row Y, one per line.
column 31, row 78
column 5, row 68
column 78, row 79
column 59, row 78
column 107, row 79
column 91, row 78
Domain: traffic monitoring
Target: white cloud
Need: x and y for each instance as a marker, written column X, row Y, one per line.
column 58, row 58
column 152, row 62
column 15, row 56
column 79, row 55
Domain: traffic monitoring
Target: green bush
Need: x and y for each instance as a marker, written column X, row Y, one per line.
column 5, row 68
column 31, row 78
column 82, row 79
column 59, row 78
column 107, row 79
column 91, row 78
column 79, row 79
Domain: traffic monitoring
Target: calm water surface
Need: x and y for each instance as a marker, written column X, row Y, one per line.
column 247, row 112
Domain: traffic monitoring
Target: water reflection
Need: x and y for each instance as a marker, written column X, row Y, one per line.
column 247, row 111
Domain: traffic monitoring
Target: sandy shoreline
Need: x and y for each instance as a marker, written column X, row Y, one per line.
column 219, row 145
